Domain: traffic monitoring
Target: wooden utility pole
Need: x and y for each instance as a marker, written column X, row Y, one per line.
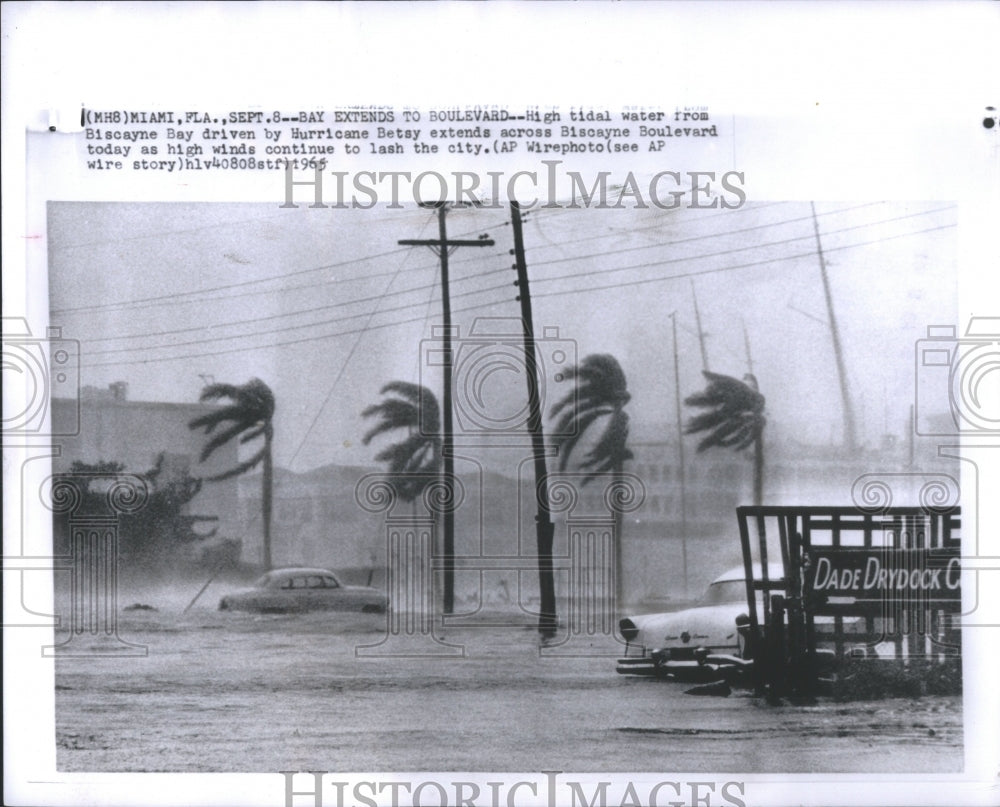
column 442, row 247
column 544, row 528
column 680, row 451
column 850, row 432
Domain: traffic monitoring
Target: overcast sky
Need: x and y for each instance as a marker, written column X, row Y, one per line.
column 325, row 306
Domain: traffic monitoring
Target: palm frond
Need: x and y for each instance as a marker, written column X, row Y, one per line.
column 415, row 454
column 706, row 421
column 609, row 451
column 730, row 434
column 212, row 419
column 614, row 437
column 257, row 397
column 418, row 402
column 605, row 376
column 566, row 440
column 394, row 414
column 736, row 413
column 568, row 400
column 219, row 440
column 430, row 412
column 254, row 432
column 599, row 391
column 215, row 391
column 405, row 389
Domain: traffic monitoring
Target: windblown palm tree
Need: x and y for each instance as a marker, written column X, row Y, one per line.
column 600, row 393
column 415, row 460
column 249, row 415
column 735, row 419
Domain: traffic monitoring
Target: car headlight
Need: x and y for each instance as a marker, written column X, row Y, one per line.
column 628, row 629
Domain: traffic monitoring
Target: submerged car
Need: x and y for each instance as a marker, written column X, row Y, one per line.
column 304, row 589
column 678, row 641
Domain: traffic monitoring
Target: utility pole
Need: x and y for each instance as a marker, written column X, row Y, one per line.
column 701, row 333
column 850, row 433
column 680, row 451
column 442, row 247
column 544, row 528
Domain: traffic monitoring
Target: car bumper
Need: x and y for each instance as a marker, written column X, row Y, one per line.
column 682, row 662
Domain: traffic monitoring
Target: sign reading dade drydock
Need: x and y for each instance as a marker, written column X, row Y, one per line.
column 886, row 575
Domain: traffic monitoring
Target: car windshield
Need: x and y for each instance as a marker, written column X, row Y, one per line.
column 725, row 592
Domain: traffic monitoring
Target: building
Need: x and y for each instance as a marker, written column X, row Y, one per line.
column 113, row 428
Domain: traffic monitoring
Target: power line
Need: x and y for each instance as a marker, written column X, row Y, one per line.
column 166, row 234
column 494, row 303
column 726, row 233
column 343, row 303
column 287, row 328
column 240, row 284
column 644, row 281
column 196, row 297
column 661, row 221
column 326, row 307
column 723, row 234
column 304, row 340
column 733, row 251
column 423, row 327
column 346, row 361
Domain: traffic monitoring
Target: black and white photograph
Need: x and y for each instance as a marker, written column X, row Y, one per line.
column 293, row 552
column 618, row 447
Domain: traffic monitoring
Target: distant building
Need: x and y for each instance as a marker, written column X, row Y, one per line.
column 315, row 520
column 318, row 521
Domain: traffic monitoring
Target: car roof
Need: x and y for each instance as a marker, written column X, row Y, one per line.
column 295, row 571
column 775, row 571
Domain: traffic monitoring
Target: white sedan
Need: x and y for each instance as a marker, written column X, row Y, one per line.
column 304, row 589
column 674, row 642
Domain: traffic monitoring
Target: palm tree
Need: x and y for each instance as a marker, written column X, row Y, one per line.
column 415, row 460
column 249, row 415
column 600, row 393
column 735, row 419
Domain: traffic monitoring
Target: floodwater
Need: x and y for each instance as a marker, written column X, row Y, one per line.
column 236, row 692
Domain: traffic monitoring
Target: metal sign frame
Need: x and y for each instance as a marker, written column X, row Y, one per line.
column 890, row 576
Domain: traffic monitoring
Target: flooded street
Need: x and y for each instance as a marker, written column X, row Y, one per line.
column 237, row 692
